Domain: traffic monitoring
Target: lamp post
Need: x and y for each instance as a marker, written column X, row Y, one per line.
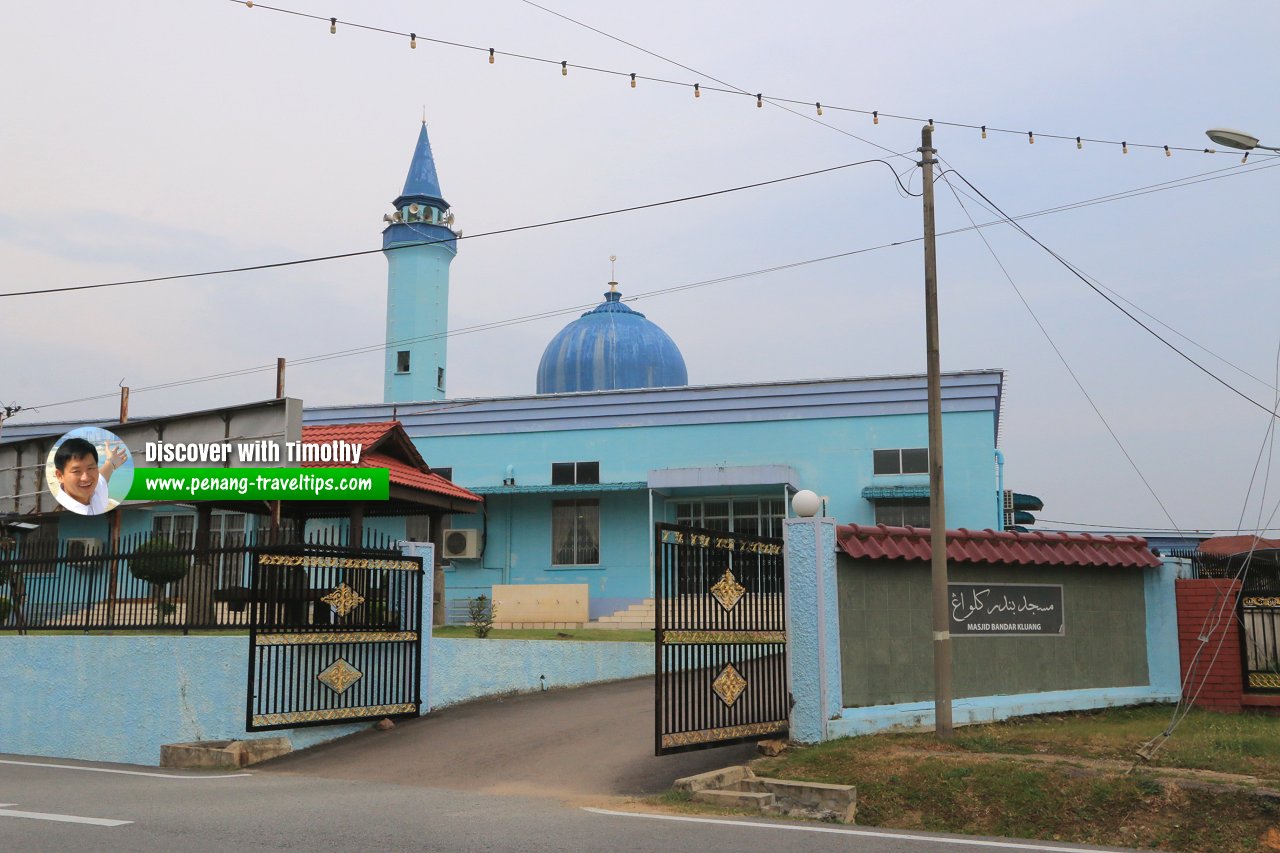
column 1236, row 139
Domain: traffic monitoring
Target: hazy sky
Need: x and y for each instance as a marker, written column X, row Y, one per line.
column 144, row 139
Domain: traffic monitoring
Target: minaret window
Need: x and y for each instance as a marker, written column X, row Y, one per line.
column 440, row 378
column 402, row 361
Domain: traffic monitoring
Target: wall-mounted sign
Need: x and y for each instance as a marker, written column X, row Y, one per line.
column 1003, row 610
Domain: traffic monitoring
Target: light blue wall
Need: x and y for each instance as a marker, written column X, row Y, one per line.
column 469, row 669
column 119, row 698
column 101, row 698
column 832, row 456
column 623, row 573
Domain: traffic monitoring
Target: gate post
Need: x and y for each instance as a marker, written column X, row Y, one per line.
column 813, row 627
column 426, row 551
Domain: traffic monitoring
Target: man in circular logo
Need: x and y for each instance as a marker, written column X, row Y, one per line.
column 81, row 479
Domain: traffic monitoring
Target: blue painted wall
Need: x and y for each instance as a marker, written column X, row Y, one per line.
column 417, row 310
column 101, row 698
column 832, row 456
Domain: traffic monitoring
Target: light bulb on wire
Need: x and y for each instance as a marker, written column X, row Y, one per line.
column 333, row 26
column 490, row 56
column 564, row 68
column 819, row 106
column 697, row 92
column 413, row 40
column 759, row 100
column 633, row 81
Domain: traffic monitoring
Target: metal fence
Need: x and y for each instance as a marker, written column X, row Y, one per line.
column 144, row 581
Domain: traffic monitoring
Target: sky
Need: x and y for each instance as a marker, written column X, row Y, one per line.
column 149, row 139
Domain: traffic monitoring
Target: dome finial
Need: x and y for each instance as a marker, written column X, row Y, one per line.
column 613, row 273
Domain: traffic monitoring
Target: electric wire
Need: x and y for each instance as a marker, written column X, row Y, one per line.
column 1062, row 358
column 1096, row 289
column 876, row 115
column 1161, row 187
column 512, row 230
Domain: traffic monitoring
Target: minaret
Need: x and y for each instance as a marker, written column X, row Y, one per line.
column 419, row 243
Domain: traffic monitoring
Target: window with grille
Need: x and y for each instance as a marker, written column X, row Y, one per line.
column 903, row 512
column 750, row 516
column 575, row 533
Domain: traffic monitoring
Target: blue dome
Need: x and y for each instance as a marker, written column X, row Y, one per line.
column 610, row 347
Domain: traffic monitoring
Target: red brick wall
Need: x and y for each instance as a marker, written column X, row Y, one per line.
column 1198, row 601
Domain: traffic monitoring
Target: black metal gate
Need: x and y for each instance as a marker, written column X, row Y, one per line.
column 1259, row 618
column 721, row 638
column 334, row 636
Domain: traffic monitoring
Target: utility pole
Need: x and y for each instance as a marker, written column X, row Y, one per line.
column 937, row 500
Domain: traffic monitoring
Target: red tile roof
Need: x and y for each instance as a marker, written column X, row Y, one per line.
column 1229, row 546
column 386, row 445
column 989, row 546
column 406, row 475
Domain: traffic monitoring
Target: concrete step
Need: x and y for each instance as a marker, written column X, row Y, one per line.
column 734, row 799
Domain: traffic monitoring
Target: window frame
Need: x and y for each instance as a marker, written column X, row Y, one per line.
column 576, row 546
column 898, row 451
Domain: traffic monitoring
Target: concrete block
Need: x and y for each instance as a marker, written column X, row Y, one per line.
column 714, row 779
column 734, row 799
column 222, row 754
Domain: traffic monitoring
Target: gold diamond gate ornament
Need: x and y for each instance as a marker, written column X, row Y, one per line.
column 728, row 591
column 340, row 675
column 729, row 685
column 343, row 599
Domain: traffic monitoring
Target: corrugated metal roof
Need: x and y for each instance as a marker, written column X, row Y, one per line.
column 1037, row 548
column 575, row 487
column 1229, row 546
column 882, row 493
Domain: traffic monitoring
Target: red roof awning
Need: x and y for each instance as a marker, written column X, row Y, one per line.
column 1036, row 548
column 1229, row 546
column 386, row 445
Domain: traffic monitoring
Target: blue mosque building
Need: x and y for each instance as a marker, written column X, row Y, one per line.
column 614, row 437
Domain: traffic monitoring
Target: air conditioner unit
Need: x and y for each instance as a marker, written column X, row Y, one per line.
column 77, row 548
column 462, row 544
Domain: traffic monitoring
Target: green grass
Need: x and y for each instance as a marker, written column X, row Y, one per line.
column 592, row 634
column 977, row 783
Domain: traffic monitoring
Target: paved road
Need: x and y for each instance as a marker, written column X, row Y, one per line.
column 260, row 812
column 591, row 741
column 540, row 772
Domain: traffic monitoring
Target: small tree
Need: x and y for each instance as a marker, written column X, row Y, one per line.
column 480, row 615
column 158, row 563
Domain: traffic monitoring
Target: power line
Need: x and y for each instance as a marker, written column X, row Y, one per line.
column 1097, row 289
column 697, row 88
column 1137, row 191
column 1163, row 186
column 512, row 230
column 1070, row 371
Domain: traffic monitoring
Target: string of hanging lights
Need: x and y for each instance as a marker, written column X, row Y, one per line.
column 760, row 98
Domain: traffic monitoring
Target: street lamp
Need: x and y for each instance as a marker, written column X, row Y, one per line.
column 1237, row 139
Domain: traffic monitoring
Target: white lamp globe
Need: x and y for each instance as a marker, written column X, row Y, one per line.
column 806, row 503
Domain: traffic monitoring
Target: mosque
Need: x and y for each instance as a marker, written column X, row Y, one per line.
column 614, row 436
